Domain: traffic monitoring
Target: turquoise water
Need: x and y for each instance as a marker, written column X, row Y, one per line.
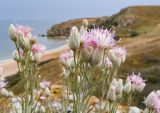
column 39, row 26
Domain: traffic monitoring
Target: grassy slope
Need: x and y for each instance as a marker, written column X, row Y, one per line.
column 144, row 19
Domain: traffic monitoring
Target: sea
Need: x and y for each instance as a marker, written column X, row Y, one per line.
column 39, row 27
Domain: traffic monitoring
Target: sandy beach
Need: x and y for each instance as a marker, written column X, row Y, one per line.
column 10, row 66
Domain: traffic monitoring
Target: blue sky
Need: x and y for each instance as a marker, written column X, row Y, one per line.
column 60, row 10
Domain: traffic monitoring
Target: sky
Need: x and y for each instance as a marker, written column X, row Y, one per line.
column 61, row 10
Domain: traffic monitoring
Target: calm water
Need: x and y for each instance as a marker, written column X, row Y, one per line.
column 39, row 26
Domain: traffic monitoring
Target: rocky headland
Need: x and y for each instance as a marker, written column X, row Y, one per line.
column 63, row 29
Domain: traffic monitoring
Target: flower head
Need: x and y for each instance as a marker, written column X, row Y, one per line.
column 23, row 30
column 67, row 58
column 156, row 103
column 101, row 38
column 119, row 51
column 38, row 48
column 118, row 84
column 118, row 55
column 153, row 102
column 136, row 79
column 137, row 82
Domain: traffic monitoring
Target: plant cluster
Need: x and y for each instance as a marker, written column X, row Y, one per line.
column 90, row 65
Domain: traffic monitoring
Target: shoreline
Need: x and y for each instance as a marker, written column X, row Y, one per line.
column 10, row 66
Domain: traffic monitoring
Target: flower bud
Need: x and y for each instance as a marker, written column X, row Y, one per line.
column 158, row 93
column 10, row 94
column 85, row 23
column 47, row 92
column 16, row 55
column 134, row 110
column 111, row 96
column 24, row 43
column 106, row 63
column 149, row 100
column 119, row 86
column 117, row 55
column 146, row 110
column 4, row 92
column 114, row 82
column 96, row 57
column 32, row 40
column 82, row 31
column 12, row 32
column 37, row 57
column 42, row 109
column 127, row 88
column 74, row 39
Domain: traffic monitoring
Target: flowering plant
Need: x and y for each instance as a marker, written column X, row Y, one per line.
column 90, row 65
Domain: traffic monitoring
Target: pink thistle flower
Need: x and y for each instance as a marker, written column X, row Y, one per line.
column 136, row 79
column 105, row 38
column 23, row 30
column 150, row 100
column 137, row 82
column 102, row 38
column 44, row 84
column 37, row 48
column 90, row 43
column 119, row 51
column 67, row 58
column 156, row 103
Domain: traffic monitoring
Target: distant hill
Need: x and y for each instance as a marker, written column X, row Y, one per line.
column 134, row 20
column 63, row 29
column 129, row 22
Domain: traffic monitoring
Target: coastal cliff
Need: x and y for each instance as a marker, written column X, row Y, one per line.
column 129, row 22
column 63, row 29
